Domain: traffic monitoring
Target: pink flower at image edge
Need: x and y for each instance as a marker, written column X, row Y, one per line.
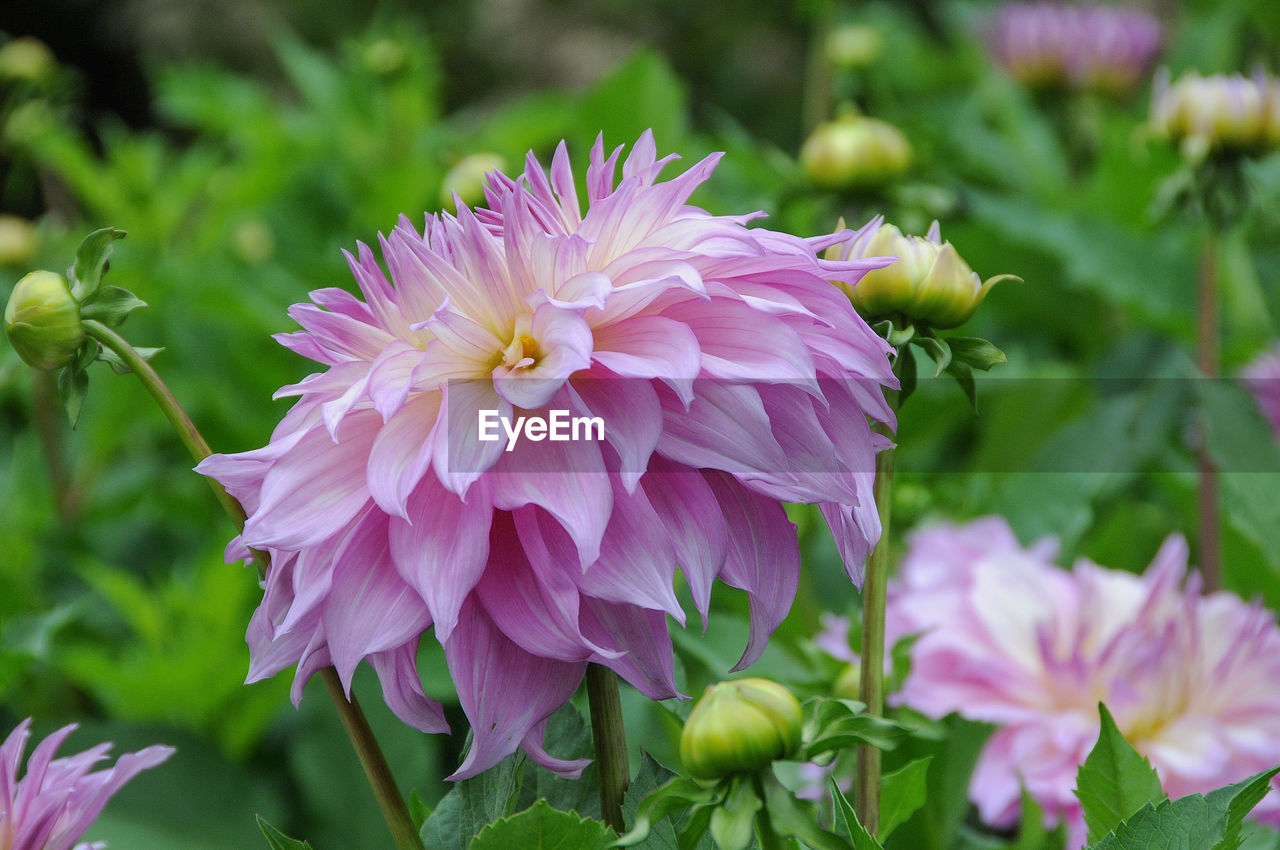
column 1008, row 638
column 58, row 799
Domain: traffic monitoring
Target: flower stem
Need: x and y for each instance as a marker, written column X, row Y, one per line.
column 371, row 757
column 610, row 742
column 1208, row 359
column 375, row 766
column 871, row 689
column 178, row 418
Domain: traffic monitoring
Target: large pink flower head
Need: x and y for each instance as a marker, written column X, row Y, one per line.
column 1079, row 47
column 58, row 799
column 401, row 492
column 1262, row 377
column 1008, row 638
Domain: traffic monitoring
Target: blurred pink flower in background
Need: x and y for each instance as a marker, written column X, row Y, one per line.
column 1262, row 377
column 730, row 374
column 1076, row 47
column 1008, row 638
column 58, row 799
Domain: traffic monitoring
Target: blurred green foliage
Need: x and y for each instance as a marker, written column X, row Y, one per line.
column 238, row 200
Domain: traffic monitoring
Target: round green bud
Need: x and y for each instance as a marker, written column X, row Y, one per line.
column 466, row 178
column 42, row 320
column 855, row 151
column 740, row 726
column 385, row 56
column 854, row 46
column 849, row 683
column 930, row 283
column 26, row 58
column 17, row 240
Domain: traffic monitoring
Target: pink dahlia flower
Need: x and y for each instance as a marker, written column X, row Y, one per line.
column 1008, row 638
column 58, row 799
column 729, row 375
column 1080, row 47
column 1262, row 377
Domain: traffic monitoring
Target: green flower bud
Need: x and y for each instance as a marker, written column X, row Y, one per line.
column 849, row 683
column 467, row 178
column 930, row 283
column 385, row 56
column 1203, row 115
column 42, row 320
column 26, row 58
column 854, row 46
column 17, row 240
column 855, row 151
column 740, row 726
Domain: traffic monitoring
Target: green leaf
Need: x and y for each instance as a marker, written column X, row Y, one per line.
column 976, row 352
column 796, row 818
column 73, row 386
column 964, row 377
column 278, row 840
column 847, row 823
column 118, row 366
column 732, row 820
column 678, row 794
column 1211, row 822
column 473, row 804
column 837, row 724
column 901, row 794
column 1115, row 780
column 648, row 778
column 91, row 261
column 654, row 96
column 541, row 827
column 419, row 811
column 110, row 305
column 939, row 350
column 1031, row 832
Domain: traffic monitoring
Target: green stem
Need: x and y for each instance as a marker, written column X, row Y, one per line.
column 178, row 418
column 50, row 426
column 390, row 800
column 765, row 833
column 610, row 742
column 1208, row 357
column 871, row 688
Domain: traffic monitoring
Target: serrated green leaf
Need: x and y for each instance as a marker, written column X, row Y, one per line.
column 540, row 827
column 976, row 352
column 278, row 840
column 847, row 823
column 901, row 794
column 1211, row 822
column 938, row 350
column 110, row 305
column 1115, row 780
column 649, row 778
column 473, row 804
column 732, row 820
column 836, row 724
column 91, row 261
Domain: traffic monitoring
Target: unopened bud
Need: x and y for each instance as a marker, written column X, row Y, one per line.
column 466, row 178
column 740, row 726
column 42, row 320
column 854, row 46
column 929, row 283
column 855, row 151
column 26, row 58
column 1203, row 115
column 17, row 240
